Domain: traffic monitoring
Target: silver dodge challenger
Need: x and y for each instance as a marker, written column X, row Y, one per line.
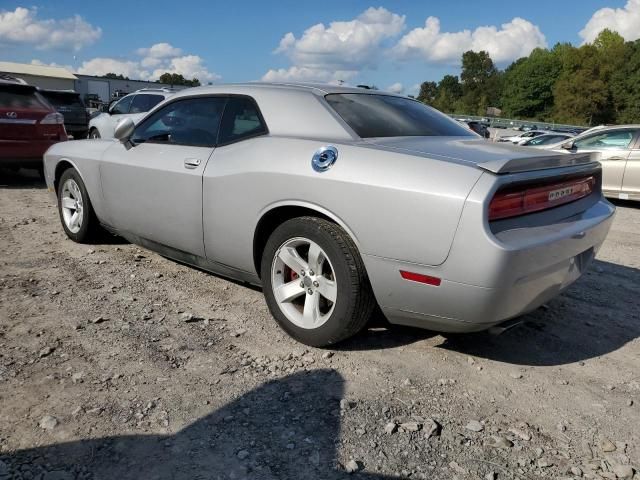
column 338, row 201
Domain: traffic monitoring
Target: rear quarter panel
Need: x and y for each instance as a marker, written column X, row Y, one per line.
column 394, row 205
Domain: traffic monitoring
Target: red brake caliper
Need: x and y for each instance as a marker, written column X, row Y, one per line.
column 290, row 275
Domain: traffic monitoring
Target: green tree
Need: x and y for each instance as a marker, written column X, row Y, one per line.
column 177, row 79
column 581, row 96
column 625, row 86
column 115, row 76
column 608, row 40
column 481, row 82
column 428, row 92
column 528, row 85
column 448, row 94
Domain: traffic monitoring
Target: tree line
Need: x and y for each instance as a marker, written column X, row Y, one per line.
column 166, row 78
column 589, row 85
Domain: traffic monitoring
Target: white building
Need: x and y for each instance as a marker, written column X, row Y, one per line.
column 54, row 78
column 59, row 78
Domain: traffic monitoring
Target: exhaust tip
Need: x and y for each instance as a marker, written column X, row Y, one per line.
column 504, row 326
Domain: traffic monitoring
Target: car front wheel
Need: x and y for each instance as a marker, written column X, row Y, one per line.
column 76, row 213
column 94, row 133
column 315, row 283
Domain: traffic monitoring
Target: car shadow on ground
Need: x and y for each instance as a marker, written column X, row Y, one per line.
column 22, row 178
column 580, row 324
column 284, row 429
column 625, row 203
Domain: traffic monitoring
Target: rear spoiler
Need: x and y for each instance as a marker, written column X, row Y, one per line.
column 528, row 164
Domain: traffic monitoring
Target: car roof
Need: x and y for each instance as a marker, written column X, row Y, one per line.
column 612, row 127
column 247, row 88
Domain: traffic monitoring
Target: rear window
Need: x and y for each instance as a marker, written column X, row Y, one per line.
column 18, row 96
column 388, row 116
column 59, row 99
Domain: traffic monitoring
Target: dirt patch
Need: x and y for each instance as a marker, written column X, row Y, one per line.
column 118, row 363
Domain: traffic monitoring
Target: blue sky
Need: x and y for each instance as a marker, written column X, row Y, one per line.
column 383, row 43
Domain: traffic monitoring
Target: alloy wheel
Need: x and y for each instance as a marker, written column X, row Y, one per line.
column 72, row 205
column 304, row 283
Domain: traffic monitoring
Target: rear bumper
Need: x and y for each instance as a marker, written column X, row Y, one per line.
column 490, row 278
column 23, row 153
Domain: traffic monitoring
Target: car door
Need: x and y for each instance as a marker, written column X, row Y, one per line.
column 153, row 189
column 614, row 147
column 227, row 206
column 631, row 180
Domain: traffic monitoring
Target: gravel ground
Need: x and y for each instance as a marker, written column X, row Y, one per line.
column 118, row 363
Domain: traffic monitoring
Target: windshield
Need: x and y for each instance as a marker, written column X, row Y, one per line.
column 371, row 115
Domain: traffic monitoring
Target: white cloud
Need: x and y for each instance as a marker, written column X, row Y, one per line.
column 36, row 61
column 395, row 88
column 190, row 66
column 22, row 26
column 306, row 74
column 414, row 90
column 512, row 40
column 154, row 61
column 160, row 50
column 327, row 52
column 625, row 21
column 101, row 66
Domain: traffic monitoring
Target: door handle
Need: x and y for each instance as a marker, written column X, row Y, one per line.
column 615, row 158
column 192, row 163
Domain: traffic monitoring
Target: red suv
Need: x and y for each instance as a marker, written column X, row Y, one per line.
column 29, row 125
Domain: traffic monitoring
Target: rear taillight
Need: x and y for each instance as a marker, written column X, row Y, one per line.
column 52, row 119
column 534, row 198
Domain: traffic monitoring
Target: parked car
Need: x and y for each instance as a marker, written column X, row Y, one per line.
column 71, row 106
column 619, row 149
column 546, row 139
column 133, row 106
column 336, row 200
column 480, row 128
column 29, row 124
column 523, row 137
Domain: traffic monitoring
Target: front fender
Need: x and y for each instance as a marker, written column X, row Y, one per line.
column 84, row 156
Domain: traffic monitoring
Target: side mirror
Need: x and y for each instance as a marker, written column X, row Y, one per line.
column 568, row 145
column 123, row 132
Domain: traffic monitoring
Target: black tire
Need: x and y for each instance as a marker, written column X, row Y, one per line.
column 354, row 302
column 94, row 133
column 90, row 227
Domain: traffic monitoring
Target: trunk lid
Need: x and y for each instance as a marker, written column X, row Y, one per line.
column 499, row 158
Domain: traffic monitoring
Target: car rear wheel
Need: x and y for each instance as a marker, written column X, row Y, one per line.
column 94, row 133
column 76, row 213
column 315, row 283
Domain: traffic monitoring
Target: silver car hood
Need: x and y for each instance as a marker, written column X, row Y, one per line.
column 491, row 156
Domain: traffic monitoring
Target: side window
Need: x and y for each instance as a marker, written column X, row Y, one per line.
column 192, row 121
column 143, row 102
column 242, row 119
column 122, row 106
column 605, row 140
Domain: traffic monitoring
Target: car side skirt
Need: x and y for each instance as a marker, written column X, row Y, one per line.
column 196, row 261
